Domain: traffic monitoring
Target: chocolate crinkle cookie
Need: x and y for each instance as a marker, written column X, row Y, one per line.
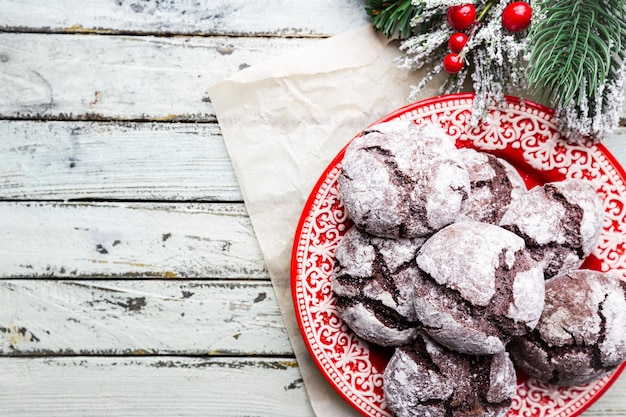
column 560, row 222
column 581, row 335
column 399, row 179
column 372, row 282
column 427, row 379
column 494, row 184
column 478, row 287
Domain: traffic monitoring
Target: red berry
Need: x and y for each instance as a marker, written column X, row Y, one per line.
column 453, row 63
column 457, row 41
column 516, row 16
column 462, row 16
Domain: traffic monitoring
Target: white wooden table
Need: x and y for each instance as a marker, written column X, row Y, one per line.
column 131, row 282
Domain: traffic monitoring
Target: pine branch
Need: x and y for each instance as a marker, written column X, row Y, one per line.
column 572, row 57
column 576, row 49
column 392, row 18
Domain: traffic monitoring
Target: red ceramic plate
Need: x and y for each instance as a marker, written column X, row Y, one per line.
column 526, row 136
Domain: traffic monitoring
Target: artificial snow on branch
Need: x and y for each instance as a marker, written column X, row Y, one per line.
column 576, row 63
column 568, row 53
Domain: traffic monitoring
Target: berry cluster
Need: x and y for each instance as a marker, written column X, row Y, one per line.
column 515, row 18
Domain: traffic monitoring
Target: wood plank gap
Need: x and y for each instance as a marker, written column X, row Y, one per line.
column 89, row 117
column 164, row 34
column 118, row 201
column 143, row 354
column 204, row 280
column 93, row 117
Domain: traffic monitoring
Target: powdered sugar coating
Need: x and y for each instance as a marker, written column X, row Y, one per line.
column 502, row 378
column 528, row 293
column 494, row 185
column 369, row 327
column 426, row 379
column 528, row 215
column 581, row 335
column 403, row 180
column 478, row 287
column 560, row 222
column 372, row 281
column 583, row 194
column 473, row 280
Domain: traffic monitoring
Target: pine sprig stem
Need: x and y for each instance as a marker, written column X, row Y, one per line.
column 485, row 9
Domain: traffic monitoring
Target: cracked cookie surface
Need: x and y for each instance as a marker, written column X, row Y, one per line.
column 494, row 184
column 477, row 287
column 399, row 179
column 560, row 223
column 581, row 335
column 427, row 379
column 372, row 283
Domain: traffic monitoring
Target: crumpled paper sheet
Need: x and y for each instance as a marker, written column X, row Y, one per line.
column 283, row 121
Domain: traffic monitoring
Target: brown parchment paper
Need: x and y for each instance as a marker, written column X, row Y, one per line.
column 283, row 121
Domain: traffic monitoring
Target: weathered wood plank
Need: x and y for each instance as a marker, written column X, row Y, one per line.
column 140, row 318
column 616, row 144
column 206, row 17
column 128, row 240
column 166, row 386
column 121, row 161
column 154, row 387
column 121, row 77
column 127, row 161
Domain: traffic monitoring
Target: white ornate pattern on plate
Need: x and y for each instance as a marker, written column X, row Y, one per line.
column 525, row 135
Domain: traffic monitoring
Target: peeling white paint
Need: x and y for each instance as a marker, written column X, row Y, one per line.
column 134, row 161
column 151, row 387
column 290, row 17
column 128, row 240
column 136, row 77
column 122, row 317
